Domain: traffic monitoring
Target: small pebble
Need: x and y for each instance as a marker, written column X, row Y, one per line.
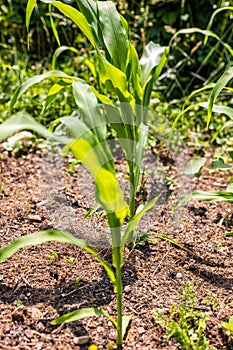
column 141, row 330
column 179, row 275
column 35, row 218
column 81, row 340
column 28, row 334
column 127, row 289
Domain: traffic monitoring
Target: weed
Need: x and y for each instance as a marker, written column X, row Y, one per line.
column 186, row 324
column 53, row 257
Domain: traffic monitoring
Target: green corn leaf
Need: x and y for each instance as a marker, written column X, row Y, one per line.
column 89, row 109
column 114, row 34
column 77, row 17
column 89, row 10
column 54, row 90
column 134, row 221
column 105, row 265
column 35, row 80
column 59, row 51
column 114, row 79
column 108, row 192
column 102, row 98
column 135, row 73
column 194, row 167
column 23, row 121
column 39, row 238
column 221, row 83
column 151, row 57
column 30, row 6
column 219, row 109
column 54, row 29
column 82, row 313
column 56, row 236
column 210, row 196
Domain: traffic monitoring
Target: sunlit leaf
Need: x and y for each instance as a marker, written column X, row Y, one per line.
column 76, row 16
column 35, row 80
column 82, row 313
column 22, row 121
column 59, row 51
column 221, row 83
column 114, row 34
column 30, row 7
column 219, row 109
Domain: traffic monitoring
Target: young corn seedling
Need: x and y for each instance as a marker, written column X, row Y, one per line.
column 120, row 103
column 128, row 82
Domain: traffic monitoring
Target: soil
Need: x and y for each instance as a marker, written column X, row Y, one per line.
column 37, row 284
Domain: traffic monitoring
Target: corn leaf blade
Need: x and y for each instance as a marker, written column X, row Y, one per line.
column 80, row 314
column 22, row 121
column 114, row 34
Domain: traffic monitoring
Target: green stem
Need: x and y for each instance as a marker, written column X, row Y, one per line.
column 117, row 260
column 117, row 253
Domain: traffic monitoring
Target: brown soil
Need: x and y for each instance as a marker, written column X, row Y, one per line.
column 35, row 290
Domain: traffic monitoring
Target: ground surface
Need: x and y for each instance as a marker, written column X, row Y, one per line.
column 34, row 289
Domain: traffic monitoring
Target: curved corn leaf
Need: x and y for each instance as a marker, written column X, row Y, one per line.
column 114, row 34
column 53, row 26
column 23, row 121
column 210, row 196
column 39, row 238
column 151, row 57
column 82, row 313
column 76, row 16
column 56, row 236
column 203, row 32
column 30, row 7
column 135, row 73
column 115, row 79
column 108, row 192
column 220, row 85
column 59, row 51
column 54, row 90
column 134, row 221
column 35, row 80
column 89, row 110
column 218, row 109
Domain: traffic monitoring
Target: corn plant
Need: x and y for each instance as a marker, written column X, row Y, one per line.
column 118, row 101
column 123, row 78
